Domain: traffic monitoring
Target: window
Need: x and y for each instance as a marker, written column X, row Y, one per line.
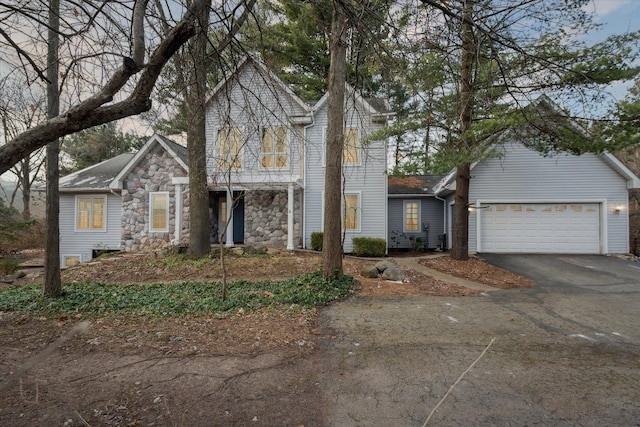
column 274, row 148
column 70, row 261
column 411, row 216
column 223, row 210
column 229, row 148
column 351, row 212
column 159, row 212
column 351, row 150
column 91, row 213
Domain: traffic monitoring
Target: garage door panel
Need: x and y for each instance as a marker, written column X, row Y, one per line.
column 540, row 228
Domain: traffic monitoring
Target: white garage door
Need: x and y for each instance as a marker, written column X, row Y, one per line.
column 540, row 228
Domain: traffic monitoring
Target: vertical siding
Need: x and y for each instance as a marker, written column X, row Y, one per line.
column 521, row 173
column 431, row 211
column 369, row 178
column 76, row 243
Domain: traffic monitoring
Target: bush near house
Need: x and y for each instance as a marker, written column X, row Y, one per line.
column 316, row 240
column 369, row 246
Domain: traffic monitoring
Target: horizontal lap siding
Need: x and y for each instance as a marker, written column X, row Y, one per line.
column 369, row 178
column 76, row 243
column 254, row 104
column 523, row 174
column 431, row 211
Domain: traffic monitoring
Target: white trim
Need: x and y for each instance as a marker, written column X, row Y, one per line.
column 633, row 181
column 216, row 152
column 63, row 260
column 177, row 214
column 275, row 154
column 165, row 229
column 118, row 181
column 90, row 229
column 324, row 148
column 358, row 211
column 290, row 217
column 404, row 216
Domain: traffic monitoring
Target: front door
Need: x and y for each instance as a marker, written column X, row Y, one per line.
column 238, row 217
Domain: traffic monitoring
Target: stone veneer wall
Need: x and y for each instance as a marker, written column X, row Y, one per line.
column 266, row 219
column 153, row 173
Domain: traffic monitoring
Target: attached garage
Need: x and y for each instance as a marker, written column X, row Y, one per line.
column 518, row 227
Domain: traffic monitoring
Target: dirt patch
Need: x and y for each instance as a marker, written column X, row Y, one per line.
column 242, row 368
column 479, row 271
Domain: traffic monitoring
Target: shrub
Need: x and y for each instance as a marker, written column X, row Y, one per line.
column 369, row 246
column 316, row 240
column 8, row 265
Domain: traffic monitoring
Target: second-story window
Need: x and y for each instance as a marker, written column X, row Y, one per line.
column 229, row 150
column 351, row 151
column 274, row 148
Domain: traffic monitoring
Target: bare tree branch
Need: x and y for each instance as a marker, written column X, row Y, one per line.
column 93, row 111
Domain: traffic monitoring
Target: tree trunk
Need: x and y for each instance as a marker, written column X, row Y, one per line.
column 26, row 188
column 460, row 243
column 332, row 242
column 52, row 282
column 200, row 226
column 460, row 229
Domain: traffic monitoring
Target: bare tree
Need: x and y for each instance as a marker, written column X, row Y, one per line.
column 52, row 281
column 114, row 99
column 21, row 108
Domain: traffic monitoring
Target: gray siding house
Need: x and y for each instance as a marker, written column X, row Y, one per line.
column 265, row 168
column 125, row 203
column 265, row 171
column 265, row 153
column 89, row 212
column 524, row 202
column 415, row 215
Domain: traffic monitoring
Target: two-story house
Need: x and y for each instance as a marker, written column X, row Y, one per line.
column 265, row 152
column 265, row 169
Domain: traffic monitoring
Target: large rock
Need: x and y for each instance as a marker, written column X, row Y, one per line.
column 370, row 271
column 386, row 263
column 393, row 273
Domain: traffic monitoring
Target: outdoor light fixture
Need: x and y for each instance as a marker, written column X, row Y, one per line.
column 617, row 209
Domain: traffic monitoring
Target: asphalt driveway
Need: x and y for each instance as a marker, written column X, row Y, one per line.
column 566, row 352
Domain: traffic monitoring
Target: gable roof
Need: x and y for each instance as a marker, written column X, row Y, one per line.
column 448, row 183
column 177, row 151
column 418, row 185
column 378, row 108
column 266, row 73
column 95, row 177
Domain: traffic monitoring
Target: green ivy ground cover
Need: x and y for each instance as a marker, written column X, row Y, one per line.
column 166, row 300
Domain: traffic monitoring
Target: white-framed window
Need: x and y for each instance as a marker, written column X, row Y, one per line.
column 229, row 148
column 71, row 260
column 411, row 215
column 350, row 149
column 351, row 212
column 91, row 213
column 275, row 151
column 159, row 212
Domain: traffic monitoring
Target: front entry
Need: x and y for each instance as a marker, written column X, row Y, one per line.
column 219, row 218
